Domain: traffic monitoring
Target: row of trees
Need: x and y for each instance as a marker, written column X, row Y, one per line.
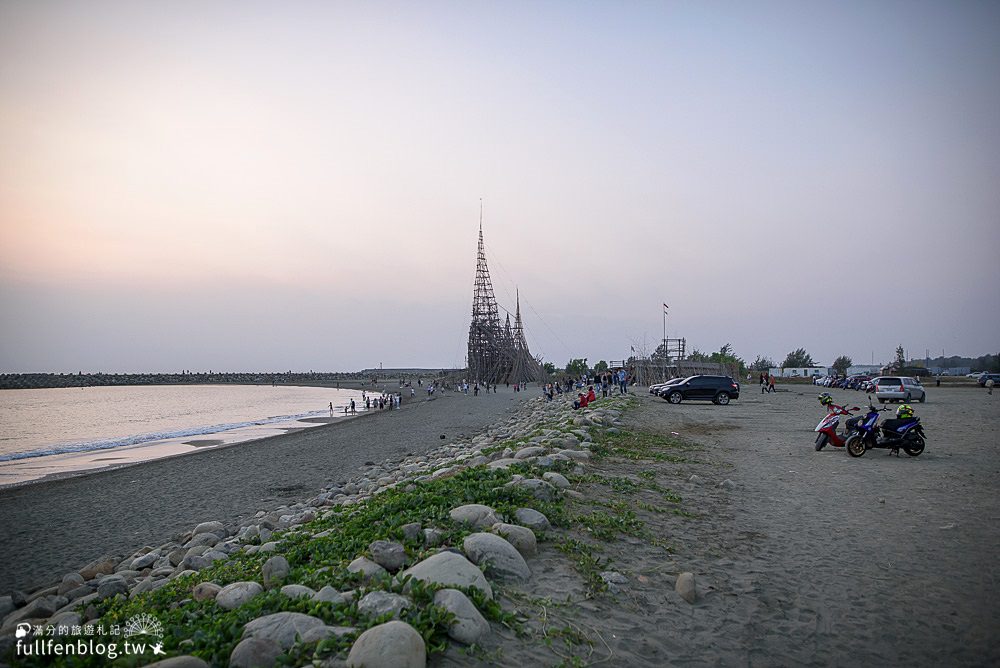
column 797, row 358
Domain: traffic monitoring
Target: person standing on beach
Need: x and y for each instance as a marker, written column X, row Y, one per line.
column 770, row 383
column 763, row 383
column 989, row 386
column 354, row 410
column 331, row 409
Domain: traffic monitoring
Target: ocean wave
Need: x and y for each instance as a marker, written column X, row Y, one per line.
column 107, row 444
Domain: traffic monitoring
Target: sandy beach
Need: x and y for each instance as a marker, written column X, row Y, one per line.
column 810, row 559
column 52, row 527
column 800, row 558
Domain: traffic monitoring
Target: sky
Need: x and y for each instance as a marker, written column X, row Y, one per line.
column 294, row 186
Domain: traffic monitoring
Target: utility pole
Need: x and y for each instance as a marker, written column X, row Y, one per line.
column 664, row 376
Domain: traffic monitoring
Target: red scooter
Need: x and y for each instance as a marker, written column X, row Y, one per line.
column 827, row 427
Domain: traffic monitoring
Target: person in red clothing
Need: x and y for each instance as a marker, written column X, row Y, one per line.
column 590, row 394
column 581, row 401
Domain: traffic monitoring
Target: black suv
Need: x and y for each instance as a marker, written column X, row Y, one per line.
column 720, row 389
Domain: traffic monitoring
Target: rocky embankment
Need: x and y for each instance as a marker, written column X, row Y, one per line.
column 380, row 571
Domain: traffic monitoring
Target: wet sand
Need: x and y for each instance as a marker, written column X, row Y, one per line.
column 52, row 527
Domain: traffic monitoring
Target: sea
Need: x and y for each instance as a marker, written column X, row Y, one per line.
column 60, row 432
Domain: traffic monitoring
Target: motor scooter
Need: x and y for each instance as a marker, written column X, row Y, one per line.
column 905, row 433
column 827, row 427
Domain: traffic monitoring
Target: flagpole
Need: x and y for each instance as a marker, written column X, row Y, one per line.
column 664, row 343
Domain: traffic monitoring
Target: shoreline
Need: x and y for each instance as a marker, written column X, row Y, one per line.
column 62, row 523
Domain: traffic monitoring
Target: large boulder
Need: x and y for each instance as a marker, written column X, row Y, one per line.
column 217, row 528
column 328, row 595
column 388, row 554
column 469, row 625
column 448, row 568
column 522, row 538
column 685, row 586
column 281, row 627
column 255, row 653
column 394, row 644
column 531, row 518
column 297, row 591
column 236, row 594
column 475, row 515
column 379, row 603
column 184, row 661
column 274, row 571
column 537, row 488
column 499, row 557
column 368, row 569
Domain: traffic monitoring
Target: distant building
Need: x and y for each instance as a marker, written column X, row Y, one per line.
column 864, row 369
column 952, row 371
column 800, row 372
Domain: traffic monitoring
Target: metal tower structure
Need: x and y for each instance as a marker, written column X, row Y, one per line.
column 497, row 353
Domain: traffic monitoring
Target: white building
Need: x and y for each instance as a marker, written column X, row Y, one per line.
column 800, row 372
column 864, row 369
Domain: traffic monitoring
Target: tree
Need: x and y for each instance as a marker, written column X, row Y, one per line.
column 841, row 364
column 600, row 366
column 577, row 367
column 549, row 368
column 798, row 358
column 698, row 356
column 762, row 364
column 900, row 357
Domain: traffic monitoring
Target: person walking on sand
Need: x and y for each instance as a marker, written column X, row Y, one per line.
column 331, row 409
column 763, row 383
column 770, row 383
column 989, row 386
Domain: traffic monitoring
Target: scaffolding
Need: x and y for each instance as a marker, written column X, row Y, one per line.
column 497, row 353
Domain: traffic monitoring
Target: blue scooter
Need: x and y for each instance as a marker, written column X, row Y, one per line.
column 893, row 434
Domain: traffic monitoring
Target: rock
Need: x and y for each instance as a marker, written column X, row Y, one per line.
column 503, row 463
column 448, row 568
column 391, row 645
column 145, row 561
column 69, row 582
column 218, row 528
column 144, row 585
column 329, row 595
column 615, row 581
column 538, row 488
column 176, row 556
column 179, row 662
column 379, row 603
column 204, row 591
column 727, row 484
column 557, row 480
column 103, row 566
column 236, row 594
column 412, row 531
column 576, row 455
column 6, row 606
column 367, row 568
column 531, row 518
column 469, row 625
column 202, row 539
column 695, row 479
column 40, row 608
column 112, row 587
column 433, row 537
column 281, row 627
column 388, row 554
column 195, row 562
column 530, row 451
column 274, row 571
column 476, row 515
column 297, row 591
column 499, row 557
column 522, row 538
column 685, row 586
column 269, row 546
column 68, row 618
column 323, row 632
column 255, row 653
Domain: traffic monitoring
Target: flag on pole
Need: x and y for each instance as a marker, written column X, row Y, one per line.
column 665, row 307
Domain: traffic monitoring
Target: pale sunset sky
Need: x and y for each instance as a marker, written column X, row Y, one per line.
column 273, row 186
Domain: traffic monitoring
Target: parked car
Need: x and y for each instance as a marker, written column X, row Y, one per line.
column 987, row 376
column 898, row 388
column 976, row 374
column 718, row 389
column 663, row 388
column 656, row 387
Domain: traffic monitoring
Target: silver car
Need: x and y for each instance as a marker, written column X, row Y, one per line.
column 898, row 388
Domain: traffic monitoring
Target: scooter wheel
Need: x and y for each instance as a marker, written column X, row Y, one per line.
column 855, row 446
column 914, row 447
column 820, row 442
